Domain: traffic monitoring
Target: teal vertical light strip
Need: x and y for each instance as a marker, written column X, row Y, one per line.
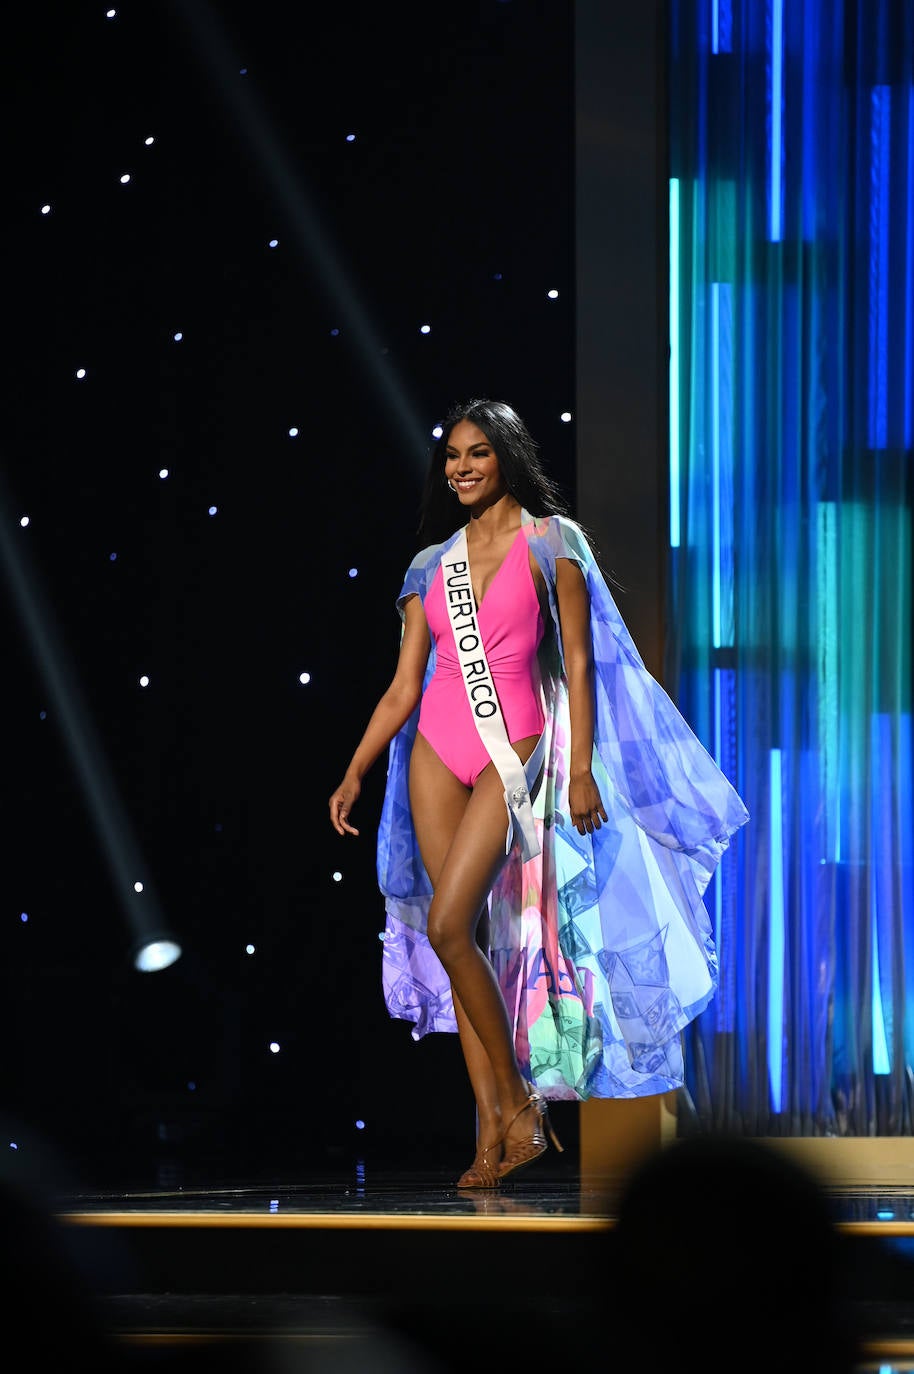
column 827, row 659
column 674, row 364
column 715, row 464
column 881, row 1058
column 905, row 757
column 724, row 478
column 776, row 97
column 880, row 832
column 775, row 933
column 880, row 172
column 715, row 25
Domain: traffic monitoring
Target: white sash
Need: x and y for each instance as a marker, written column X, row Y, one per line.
column 519, row 779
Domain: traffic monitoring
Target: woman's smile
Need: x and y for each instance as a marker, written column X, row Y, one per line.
column 471, row 466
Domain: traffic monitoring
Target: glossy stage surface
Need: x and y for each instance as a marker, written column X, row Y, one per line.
column 233, row 1271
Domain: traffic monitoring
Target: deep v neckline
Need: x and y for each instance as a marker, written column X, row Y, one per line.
column 478, row 601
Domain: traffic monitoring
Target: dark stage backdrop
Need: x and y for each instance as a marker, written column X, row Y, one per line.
column 414, row 166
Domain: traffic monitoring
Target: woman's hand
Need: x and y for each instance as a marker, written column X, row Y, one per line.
column 341, row 804
column 585, row 804
column 390, row 715
column 584, row 801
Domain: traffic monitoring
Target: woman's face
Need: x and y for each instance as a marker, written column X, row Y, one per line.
column 471, row 467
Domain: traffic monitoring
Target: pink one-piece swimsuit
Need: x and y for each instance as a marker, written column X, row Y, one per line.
column 511, row 624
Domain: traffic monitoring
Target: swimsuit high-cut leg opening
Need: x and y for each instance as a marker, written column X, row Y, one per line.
column 464, row 760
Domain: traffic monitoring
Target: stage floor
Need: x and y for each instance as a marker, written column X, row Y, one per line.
column 191, row 1265
column 311, row 1263
column 387, row 1199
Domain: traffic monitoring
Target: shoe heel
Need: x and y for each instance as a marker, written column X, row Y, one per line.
column 543, row 1114
column 553, row 1137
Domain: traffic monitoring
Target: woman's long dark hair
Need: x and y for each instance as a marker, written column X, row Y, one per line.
column 440, row 512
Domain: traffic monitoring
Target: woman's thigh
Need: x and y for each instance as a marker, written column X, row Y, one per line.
column 461, row 833
column 437, row 801
column 473, row 860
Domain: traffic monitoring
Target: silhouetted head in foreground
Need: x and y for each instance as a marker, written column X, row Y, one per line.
column 727, row 1258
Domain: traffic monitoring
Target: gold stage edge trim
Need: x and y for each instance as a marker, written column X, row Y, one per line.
column 362, row 1221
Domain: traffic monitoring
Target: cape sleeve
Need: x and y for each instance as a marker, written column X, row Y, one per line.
column 661, row 771
column 415, row 986
column 401, row 873
column 602, row 943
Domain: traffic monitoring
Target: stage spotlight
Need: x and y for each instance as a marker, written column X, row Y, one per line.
column 149, row 942
column 156, row 952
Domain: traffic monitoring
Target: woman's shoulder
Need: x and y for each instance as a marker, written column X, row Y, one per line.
column 561, row 535
column 425, row 562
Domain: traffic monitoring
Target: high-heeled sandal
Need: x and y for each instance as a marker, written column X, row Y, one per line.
column 536, row 1144
column 482, row 1173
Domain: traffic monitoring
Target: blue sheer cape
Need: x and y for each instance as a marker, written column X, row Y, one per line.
column 602, row 944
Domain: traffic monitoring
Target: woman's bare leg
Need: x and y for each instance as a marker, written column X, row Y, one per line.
column 473, row 852
column 438, row 801
column 479, row 1067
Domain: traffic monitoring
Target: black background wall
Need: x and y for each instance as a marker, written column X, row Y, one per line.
column 452, row 207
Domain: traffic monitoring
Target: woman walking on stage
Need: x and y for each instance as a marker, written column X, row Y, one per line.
column 550, row 821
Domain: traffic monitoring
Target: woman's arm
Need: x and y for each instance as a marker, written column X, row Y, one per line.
column 584, row 800
column 390, row 715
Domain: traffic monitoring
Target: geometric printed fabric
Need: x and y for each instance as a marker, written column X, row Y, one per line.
column 601, row 943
